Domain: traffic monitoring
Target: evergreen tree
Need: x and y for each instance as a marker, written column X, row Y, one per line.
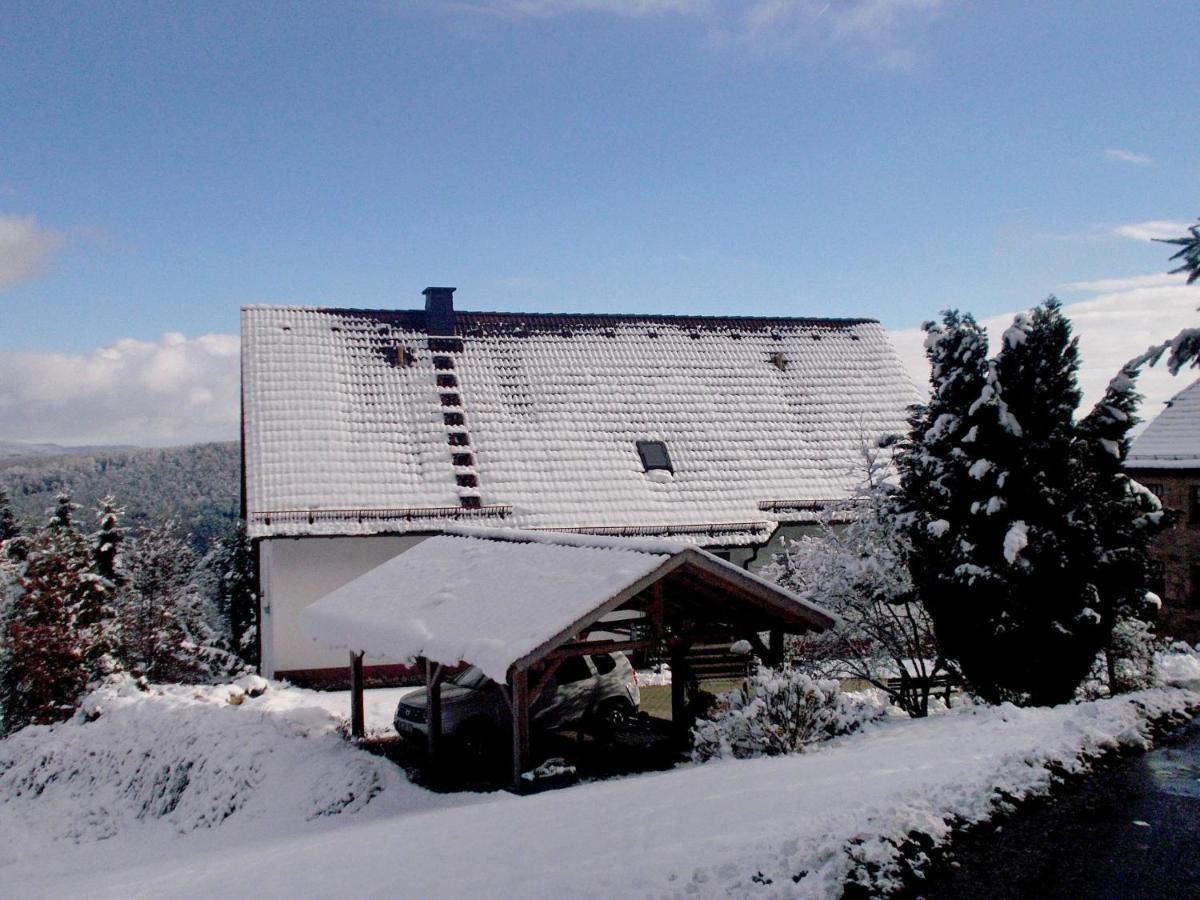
column 108, row 540
column 169, row 630
column 14, row 545
column 238, row 595
column 42, row 652
column 1019, row 518
column 948, row 490
column 1124, row 519
column 92, row 612
column 8, row 522
column 1189, row 252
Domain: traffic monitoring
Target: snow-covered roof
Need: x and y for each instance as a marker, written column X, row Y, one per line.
column 1172, row 440
column 493, row 597
column 358, row 421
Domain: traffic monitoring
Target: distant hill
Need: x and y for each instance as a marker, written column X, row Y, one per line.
column 21, row 448
column 197, row 485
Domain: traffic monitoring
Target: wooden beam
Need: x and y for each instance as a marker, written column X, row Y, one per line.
column 535, row 691
column 358, row 719
column 594, row 647
column 616, row 601
column 519, row 681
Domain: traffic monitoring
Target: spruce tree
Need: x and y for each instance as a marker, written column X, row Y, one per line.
column 947, row 489
column 42, row 660
column 1017, row 537
column 169, row 630
column 9, row 528
column 238, row 593
column 108, row 539
column 1124, row 518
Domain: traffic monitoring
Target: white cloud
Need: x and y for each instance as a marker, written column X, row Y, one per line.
column 1112, row 285
column 1153, row 229
column 877, row 17
column 769, row 22
column 25, row 249
column 171, row 391
column 1138, row 159
column 1126, row 316
column 548, row 8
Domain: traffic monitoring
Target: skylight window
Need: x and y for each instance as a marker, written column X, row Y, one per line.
column 655, row 456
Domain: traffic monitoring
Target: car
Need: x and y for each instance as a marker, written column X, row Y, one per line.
column 599, row 691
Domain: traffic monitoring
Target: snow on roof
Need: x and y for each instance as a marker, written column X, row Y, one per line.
column 356, row 421
column 491, row 598
column 1172, row 439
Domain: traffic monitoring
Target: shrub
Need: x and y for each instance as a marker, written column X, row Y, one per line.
column 777, row 712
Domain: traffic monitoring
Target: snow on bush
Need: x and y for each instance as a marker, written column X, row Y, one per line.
column 1178, row 664
column 778, row 712
column 191, row 757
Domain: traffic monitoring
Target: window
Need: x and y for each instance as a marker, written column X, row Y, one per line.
column 573, row 669
column 604, row 663
column 1156, row 577
column 654, row 456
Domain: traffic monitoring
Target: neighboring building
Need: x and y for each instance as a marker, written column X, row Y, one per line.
column 365, row 431
column 1166, row 459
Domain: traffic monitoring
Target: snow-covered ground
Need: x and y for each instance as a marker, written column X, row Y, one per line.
column 180, row 793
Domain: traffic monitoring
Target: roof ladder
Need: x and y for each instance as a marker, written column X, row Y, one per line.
column 454, row 420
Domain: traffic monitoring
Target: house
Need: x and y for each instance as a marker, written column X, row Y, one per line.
column 366, row 431
column 1165, row 458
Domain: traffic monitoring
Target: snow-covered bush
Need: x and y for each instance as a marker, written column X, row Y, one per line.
column 1177, row 663
column 778, row 712
column 193, row 757
column 857, row 567
column 1131, row 656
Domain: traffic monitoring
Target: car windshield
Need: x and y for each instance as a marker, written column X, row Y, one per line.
column 471, row 677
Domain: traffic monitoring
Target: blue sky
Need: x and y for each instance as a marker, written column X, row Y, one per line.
column 163, row 164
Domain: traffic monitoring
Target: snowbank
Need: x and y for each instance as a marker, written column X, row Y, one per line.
column 187, row 758
column 792, row 826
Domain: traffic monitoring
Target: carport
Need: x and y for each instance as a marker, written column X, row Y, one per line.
column 508, row 601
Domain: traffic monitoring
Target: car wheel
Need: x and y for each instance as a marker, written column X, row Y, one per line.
column 611, row 717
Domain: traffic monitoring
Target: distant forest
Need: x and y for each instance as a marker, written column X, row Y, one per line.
column 198, row 486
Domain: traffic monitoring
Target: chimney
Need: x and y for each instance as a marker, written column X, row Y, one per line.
column 439, row 311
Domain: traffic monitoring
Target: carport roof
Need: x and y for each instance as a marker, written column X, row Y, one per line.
column 495, row 598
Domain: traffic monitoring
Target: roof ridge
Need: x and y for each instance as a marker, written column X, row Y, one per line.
column 597, row 317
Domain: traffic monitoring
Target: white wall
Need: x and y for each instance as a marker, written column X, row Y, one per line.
column 296, row 572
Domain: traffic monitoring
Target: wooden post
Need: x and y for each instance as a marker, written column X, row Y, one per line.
column 776, row 654
column 358, row 720
column 520, row 727
column 679, row 679
column 433, row 710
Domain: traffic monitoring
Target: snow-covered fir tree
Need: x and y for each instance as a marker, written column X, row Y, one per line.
column 169, row 630
column 1014, row 562
column 43, row 651
column 9, row 528
column 1124, row 519
column 107, row 542
column 233, row 588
